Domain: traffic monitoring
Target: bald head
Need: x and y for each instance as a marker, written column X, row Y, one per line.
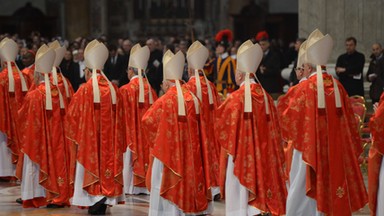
column 377, row 49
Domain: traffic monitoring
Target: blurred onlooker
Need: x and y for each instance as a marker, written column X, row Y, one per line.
column 375, row 73
column 292, row 77
column 78, row 75
column 155, row 72
column 349, row 68
column 28, row 61
column 68, row 67
column 269, row 69
column 115, row 66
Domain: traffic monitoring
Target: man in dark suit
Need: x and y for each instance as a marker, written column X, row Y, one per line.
column 73, row 66
column 269, row 70
column 292, row 76
column 349, row 68
column 115, row 66
column 376, row 73
column 155, row 72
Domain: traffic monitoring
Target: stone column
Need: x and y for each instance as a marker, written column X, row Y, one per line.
column 341, row 19
column 76, row 18
column 98, row 17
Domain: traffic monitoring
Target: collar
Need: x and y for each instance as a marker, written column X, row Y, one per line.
column 134, row 77
column 266, row 52
column 314, row 73
column 252, row 81
column 224, row 55
column 303, row 79
column 234, row 56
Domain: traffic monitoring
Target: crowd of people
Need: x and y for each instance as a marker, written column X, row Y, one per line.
column 188, row 123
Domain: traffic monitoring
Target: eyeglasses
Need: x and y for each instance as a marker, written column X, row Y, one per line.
column 299, row 69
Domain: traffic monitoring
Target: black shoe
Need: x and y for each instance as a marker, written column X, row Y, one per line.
column 20, row 201
column 217, row 197
column 54, row 206
column 99, row 208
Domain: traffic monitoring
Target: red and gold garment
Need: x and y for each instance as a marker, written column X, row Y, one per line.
column 44, row 142
column 282, row 105
column 29, row 73
column 97, row 131
column 133, row 113
column 175, row 141
column 10, row 103
column 330, row 146
column 376, row 154
column 209, row 115
column 61, row 85
column 254, row 142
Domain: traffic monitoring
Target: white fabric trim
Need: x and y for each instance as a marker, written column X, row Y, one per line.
column 30, row 187
column 236, row 195
column 298, row 204
column 128, row 176
column 82, row 198
column 95, row 87
column 320, row 88
column 158, row 206
column 180, row 99
column 48, row 94
column 380, row 192
column 141, row 86
column 7, row 168
column 198, row 85
column 11, row 79
column 247, row 95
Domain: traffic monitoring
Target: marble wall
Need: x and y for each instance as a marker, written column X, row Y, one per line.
column 343, row 18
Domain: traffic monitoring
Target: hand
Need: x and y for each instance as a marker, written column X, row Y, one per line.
column 372, row 77
column 375, row 106
column 116, row 82
column 340, row 70
column 262, row 69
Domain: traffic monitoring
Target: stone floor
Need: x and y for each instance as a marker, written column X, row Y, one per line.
column 135, row 206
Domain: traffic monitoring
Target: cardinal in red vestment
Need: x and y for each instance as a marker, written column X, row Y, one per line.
column 29, row 63
column 137, row 96
column 13, row 88
column 57, row 77
column 43, row 141
column 95, row 127
column 252, row 175
column 176, row 176
column 317, row 118
column 200, row 86
column 375, row 161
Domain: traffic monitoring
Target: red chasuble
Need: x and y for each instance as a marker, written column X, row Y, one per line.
column 44, row 142
column 376, row 155
column 209, row 115
column 97, row 130
column 133, row 113
column 10, row 103
column 330, row 145
column 29, row 73
column 175, row 141
column 254, row 142
column 282, row 105
column 60, row 83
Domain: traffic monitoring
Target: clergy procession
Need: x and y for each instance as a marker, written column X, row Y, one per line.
column 219, row 137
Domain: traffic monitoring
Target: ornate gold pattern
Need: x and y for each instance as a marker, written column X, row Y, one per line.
column 340, row 192
column 60, row 181
column 108, row 173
